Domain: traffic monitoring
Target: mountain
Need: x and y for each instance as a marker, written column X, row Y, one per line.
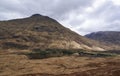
column 38, row 31
column 109, row 37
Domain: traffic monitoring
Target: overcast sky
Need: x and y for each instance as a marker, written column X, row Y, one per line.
column 82, row 16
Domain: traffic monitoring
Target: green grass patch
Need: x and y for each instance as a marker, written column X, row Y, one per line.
column 41, row 54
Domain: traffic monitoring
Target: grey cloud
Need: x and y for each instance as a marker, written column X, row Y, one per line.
column 54, row 8
column 104, row 18
column 66, row 6
column 108, row 11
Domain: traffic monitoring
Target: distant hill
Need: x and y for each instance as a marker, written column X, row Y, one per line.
column 109, row 37
column 42, row 32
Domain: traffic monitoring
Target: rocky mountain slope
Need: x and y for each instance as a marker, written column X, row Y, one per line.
column 42, row 32
column 109, row 37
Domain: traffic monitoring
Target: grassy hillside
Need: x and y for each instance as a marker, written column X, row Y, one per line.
column 42, row 32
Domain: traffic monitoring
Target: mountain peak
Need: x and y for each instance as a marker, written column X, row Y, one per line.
column 36, row 15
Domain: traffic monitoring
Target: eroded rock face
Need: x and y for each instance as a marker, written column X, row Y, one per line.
column 65, row 44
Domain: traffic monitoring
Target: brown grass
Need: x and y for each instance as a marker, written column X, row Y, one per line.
column 12, row 64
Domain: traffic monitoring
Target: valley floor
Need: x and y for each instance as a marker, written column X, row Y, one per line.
column 19, row 65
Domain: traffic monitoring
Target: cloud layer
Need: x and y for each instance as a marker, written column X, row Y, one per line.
column 82, row 16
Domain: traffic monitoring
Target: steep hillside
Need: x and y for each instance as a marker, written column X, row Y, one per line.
column 109, row 37
column 42, row 32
